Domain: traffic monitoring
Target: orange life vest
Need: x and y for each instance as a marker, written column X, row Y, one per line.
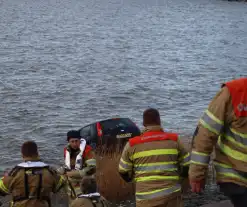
column 153, row 136
column 238, row 91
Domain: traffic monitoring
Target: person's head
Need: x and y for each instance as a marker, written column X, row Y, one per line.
column 151, row 117
column 88, row 185
column 29, row 149
column 73, row 138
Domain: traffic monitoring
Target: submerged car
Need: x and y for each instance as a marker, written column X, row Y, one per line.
column 109, row 132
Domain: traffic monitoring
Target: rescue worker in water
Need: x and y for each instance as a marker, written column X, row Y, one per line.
column 223, row 126
column 30, row 183
column 156, row 161
column 89, row 196
column 79, row 162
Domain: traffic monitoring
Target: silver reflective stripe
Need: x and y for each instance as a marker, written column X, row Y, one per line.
column 200, row 158
column 125, row 166
column 217, row 127
column 236, row 137
column 227, row 171
column 157, row 167
column 157, row 193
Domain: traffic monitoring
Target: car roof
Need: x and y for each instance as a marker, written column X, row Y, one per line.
column 110, row 119
column 100, row 121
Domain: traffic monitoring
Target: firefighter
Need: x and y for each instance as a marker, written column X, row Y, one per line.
column 79, row 161
column 223, row 126
column 31, row 182
column 89, row 196
column 156, row 161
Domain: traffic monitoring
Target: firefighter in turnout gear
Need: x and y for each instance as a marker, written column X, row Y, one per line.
column 79, row 162
column 89, row 196
column 223, row 126
column 30, row 183
column 157, row 161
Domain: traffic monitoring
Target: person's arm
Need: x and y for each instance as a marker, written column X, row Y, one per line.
column 59, row 180
column 206, row 135
column 90, row 162
column 125, row 167
column 5, row 185
column 184, row 160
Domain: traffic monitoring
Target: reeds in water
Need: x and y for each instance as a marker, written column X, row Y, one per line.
column 110, row 184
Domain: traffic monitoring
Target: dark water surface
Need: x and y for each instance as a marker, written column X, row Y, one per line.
column 66, row 63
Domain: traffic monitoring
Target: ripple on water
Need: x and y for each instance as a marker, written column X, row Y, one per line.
column 68, row 63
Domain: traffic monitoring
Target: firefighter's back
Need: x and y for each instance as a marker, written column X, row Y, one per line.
column 156, row 167
column 33, row 186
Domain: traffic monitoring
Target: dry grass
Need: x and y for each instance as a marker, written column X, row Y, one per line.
column 110, row 184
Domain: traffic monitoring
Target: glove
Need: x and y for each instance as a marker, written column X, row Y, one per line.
column 197, row 186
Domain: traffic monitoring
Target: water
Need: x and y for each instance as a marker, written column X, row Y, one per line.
column 66, row 63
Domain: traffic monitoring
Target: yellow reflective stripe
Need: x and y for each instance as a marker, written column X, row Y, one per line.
column 214, row 117
column 157, row 193
column 186, row 163
column 222, row 164
column 230, row 152
column 185, row 160
column 3, row 187
column 231, row 175
column 197, row 163
column 154, row 152
column 227, row 171
column 60, row 183
column 120, row 168
column 185, row 156
column 126, row 163
column 200, row 153
column 231, row 139
column 153, row 178
column 238, row 133
column 156, row 163
column 91, row 162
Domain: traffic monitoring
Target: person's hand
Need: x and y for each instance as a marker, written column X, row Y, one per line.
column 197, row 186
